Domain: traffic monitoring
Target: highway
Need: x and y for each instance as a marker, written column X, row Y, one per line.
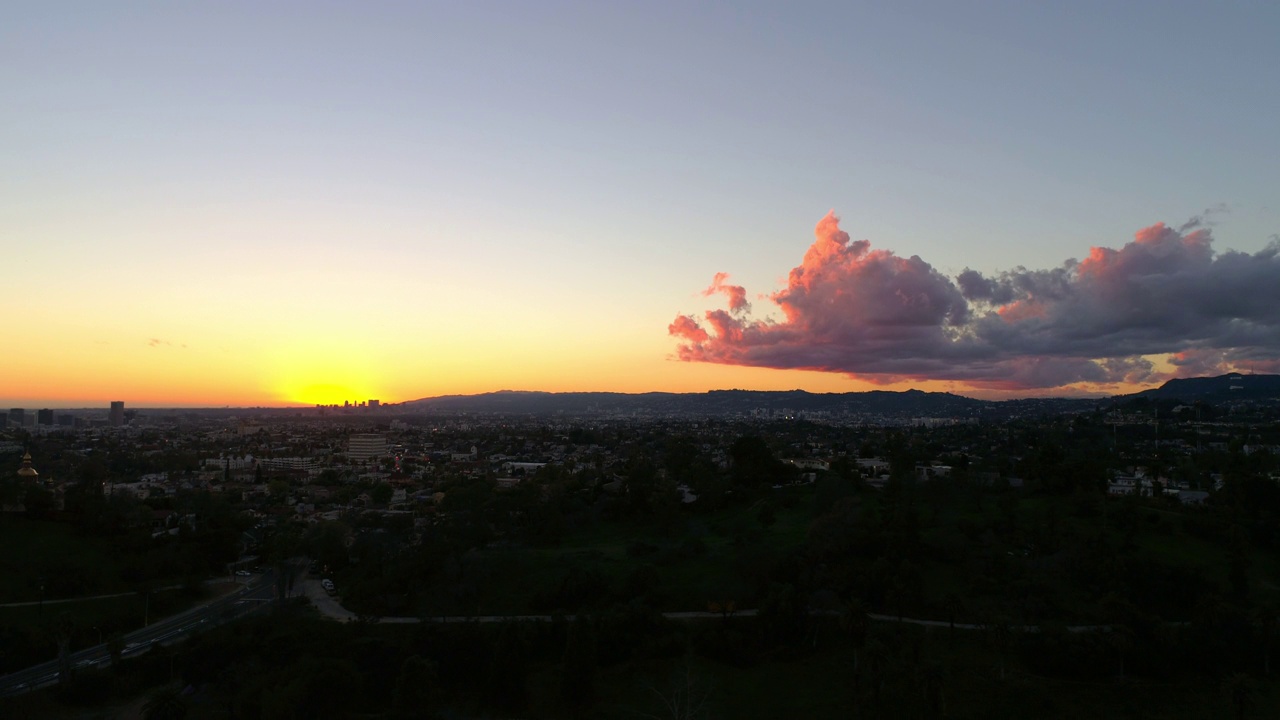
column 257, row 592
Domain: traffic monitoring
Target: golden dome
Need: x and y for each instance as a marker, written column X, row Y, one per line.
column 26, row 471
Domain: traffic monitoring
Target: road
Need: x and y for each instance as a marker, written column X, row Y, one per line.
column 257, row 592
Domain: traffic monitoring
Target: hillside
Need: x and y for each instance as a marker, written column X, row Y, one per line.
column 1234, row 386
column 911, row 403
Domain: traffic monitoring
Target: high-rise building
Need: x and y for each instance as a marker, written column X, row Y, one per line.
column 366, row 447
column 374, row 403
column 16, row 415
column 44, row 417
column 116, row 417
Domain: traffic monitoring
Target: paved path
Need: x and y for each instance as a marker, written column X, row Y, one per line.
column 324, row 602
column 330, row 607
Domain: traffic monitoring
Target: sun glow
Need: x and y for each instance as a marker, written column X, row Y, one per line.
column 324, row 394
column 323, row 372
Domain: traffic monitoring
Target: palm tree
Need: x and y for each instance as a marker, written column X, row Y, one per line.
column 166, row 704
column 1239, row 691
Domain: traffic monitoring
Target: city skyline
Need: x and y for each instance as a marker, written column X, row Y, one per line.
column 289, row 205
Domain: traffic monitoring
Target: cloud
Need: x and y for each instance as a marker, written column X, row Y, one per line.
column 687, row 328
column 1198, row 362
column 872, row 314
column 736, row 293
column 157, row 342
column 1204, row 219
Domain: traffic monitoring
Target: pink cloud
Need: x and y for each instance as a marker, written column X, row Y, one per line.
column 736, row 293
column 875, row 315
column 687, row 328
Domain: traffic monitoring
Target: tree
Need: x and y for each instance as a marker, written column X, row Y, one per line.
column 278, row 489
column 1000, row 636
column 1267, row 617
column 417, row 689
column 578, row 673
column 115, row 647
column 1239, row 691
column 766, row 515
column 686, row 697
column 327, row 543
column 855, row 623
column 381, row 493
column 165, row 704
column 753, row 463
column 509, row 667
column 39, row 502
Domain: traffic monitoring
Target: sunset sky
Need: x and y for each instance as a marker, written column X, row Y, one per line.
column 271, row 203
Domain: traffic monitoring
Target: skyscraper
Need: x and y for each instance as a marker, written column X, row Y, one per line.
column 117, row 413
column 44, row 417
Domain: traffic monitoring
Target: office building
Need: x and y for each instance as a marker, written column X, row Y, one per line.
column 44, row 417
column 366, row 447
column 16, row 415
column 116, row 416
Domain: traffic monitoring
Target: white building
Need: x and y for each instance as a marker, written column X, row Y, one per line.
column 366, row 447
column 312, row 466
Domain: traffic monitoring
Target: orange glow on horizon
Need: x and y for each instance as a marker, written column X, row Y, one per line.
column 317, row 368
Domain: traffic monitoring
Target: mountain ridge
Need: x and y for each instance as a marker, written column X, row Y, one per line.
column 899, row 403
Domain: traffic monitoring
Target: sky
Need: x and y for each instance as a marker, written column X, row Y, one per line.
column 275, row 203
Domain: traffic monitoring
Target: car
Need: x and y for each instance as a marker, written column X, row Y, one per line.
column 244, row 573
